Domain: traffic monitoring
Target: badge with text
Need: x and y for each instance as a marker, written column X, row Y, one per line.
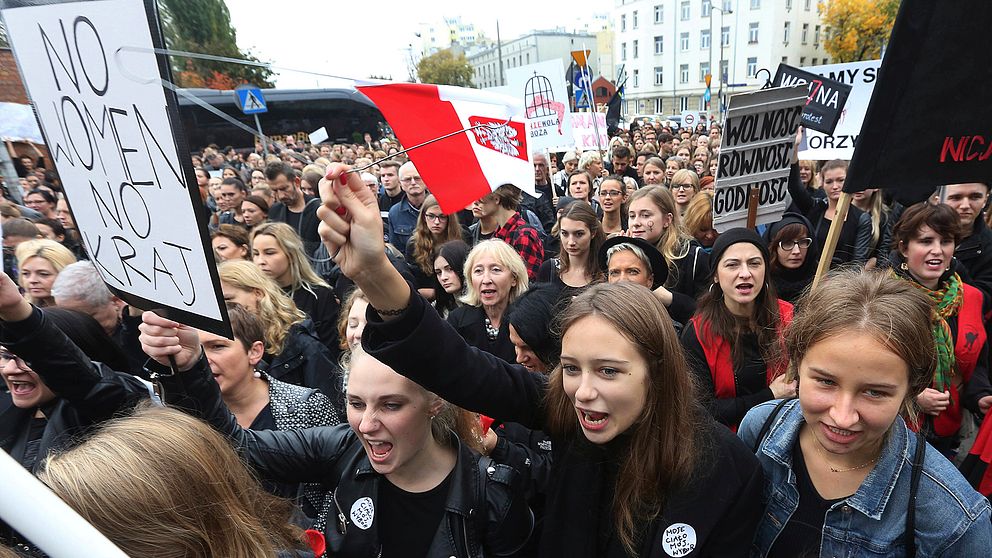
column 825, row 102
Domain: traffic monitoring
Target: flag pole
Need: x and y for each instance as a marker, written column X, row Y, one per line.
column 592, row 101
column 840, row 215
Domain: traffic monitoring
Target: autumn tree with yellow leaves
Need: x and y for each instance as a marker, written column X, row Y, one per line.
column 857, row 29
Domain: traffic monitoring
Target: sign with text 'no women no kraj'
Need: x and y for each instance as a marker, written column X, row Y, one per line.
column 112, row 131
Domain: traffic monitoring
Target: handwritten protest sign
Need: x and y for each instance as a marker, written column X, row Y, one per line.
column 112, row 131
column 756, row 149
column 826, row 99
column 585, row 131
column 542, row 89
column 861, row 76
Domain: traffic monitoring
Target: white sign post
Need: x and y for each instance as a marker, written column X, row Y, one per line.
column 542, row 88
column 113, row 133
column 861, row 76
column 756, row 152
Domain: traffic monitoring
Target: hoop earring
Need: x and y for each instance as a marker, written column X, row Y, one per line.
column 718, row 290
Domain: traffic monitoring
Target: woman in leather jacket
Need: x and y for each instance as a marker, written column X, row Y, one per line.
column 400, row 482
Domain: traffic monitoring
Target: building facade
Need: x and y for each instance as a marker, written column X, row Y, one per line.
column 536, row 46
column 667, row 48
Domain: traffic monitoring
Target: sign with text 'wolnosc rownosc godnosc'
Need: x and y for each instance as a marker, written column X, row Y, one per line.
column 758, row 141
column 113, row 133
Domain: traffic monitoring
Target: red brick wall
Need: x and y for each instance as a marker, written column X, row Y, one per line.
column 11, row 88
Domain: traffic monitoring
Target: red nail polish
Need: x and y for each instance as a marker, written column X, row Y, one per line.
column 341, row 210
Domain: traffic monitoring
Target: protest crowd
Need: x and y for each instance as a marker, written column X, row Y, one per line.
column 592, row 372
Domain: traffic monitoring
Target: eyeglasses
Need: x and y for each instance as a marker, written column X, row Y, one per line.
column 412, row 180
column 789, row 245
column 681, row 186
column 435, row 217
column 7, row 356
column 611, row 193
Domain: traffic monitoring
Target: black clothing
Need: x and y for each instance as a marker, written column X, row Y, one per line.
column 304, row 223
column 264, row 420
column 549, row 272
column 470, row 323
column 542, row 206
column 975, row 252
column 320, row 304
column 412, row 518
column 420, row 279
column 343, row 285
column 855, row 234
column 305, row 361
column 750, row 377
column 722, row 504
column 790, row 283
column 801, row 535
column 691, row 277
column 481, row 512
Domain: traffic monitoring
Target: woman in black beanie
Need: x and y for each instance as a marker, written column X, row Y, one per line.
column 793, row 256
column 734, row 342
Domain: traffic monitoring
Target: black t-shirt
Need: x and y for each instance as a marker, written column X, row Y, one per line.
column 293, row 219
column 409, row 520
column 801, row 536
column 35, row 432
column 264, row 420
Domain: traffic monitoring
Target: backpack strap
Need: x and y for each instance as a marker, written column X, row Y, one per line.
column 768, row 425
column 914, row 488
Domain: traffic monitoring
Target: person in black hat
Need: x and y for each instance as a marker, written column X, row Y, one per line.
column 793, row 256
column 734, row 343
column 624, row 258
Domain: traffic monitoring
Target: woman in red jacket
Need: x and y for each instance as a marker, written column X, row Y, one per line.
column 734, row 342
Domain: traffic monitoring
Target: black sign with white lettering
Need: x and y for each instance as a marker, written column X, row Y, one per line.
column 826, row 99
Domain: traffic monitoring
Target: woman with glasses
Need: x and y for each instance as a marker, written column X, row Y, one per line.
column 577, row 265
column 684, row 185
column 433, row 229
column 794, row 256
column 613, row 200
column 734, row 342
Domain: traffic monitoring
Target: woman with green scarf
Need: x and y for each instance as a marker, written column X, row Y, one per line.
column 924, row 240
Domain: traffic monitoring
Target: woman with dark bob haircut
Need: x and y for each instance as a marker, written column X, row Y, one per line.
column 639, row 468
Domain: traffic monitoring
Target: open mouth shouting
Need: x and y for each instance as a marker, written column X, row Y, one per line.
column 592, row 420
column 378, row 450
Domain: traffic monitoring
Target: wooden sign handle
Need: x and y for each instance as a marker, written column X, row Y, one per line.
column 843, row 204
column 752, row 206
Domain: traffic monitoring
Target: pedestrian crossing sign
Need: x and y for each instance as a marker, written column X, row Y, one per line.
column 250, row 99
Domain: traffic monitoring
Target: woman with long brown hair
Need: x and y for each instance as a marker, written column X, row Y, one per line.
column 433, row 229
column 639, row 468
column 577, row 265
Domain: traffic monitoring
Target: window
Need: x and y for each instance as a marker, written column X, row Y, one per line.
column 826, row 61
column 724, row 66
column 623, row 51
column 659, row 44
column 704, row 69
column 623, row 22
column 752, row 32
column 659, row 14
column 707, row 6
column 725, row 37
column 637, row 79
column 816, row 36
column 785, row 59
column 726, row 6
column 704, row 39
column 805, row 37
column 636, row 49
column 755, row 4
column 633, row 20
column 813, row 63
column 659, row 106
column 788, row 5
column 752, row 66
column 683, row 103
column 802, row 61
column 702, row 103
column 684, row 41
column 685, row 11
column 808, row 3
column 785, row 32
column 684, row 73
column 659, row 75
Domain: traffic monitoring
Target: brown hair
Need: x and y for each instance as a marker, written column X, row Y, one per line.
column 589, row 178
column 245, row 326
column 582, row 212
column 876, row 303
column 792, row 231
column 349, row 301
column 236, row 234
column 423, row 240
column 940, row 217
column 163, row 484
column 698, row 212
column 674, row 242
column 665, row 443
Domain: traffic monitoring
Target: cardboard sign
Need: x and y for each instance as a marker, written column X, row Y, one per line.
column 757, row 142
column 585, row 131
column 861, row 76
column 929, row 120
column 113, row 133
column 542, row 87
column 826, row 98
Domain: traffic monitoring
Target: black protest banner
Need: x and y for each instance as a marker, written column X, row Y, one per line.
column 756, row 150
column 113, row 132
column 825, row 101
column 929, row 122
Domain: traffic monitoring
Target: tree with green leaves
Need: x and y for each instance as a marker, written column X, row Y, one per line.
column 444, row 68
column 204, row 26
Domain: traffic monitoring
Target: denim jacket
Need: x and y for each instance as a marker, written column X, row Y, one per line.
column 951, row 518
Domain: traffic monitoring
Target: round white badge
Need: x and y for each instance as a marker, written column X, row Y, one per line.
column 363, row 513
column 679, row 539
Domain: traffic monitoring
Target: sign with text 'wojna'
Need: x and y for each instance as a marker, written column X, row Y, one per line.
column 113, row 133
column 756, row 150
column 826, row 100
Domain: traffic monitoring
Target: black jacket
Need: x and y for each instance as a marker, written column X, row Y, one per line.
column 854, row 243
column 722, row 505
column 975, row 252
column 320, row 304
column 470, row 323
column 691, row 277
column 334, row 457
column 307, row 228
column 305, row 361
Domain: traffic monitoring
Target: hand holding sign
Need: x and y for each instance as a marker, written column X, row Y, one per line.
column 13, row 307
column 163, row 339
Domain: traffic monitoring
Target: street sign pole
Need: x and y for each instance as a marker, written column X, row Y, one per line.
column 261, row 136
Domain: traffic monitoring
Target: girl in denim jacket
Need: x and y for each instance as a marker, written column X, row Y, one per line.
column 840, row 461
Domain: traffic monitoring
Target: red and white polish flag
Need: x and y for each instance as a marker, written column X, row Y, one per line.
column 467, row 166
